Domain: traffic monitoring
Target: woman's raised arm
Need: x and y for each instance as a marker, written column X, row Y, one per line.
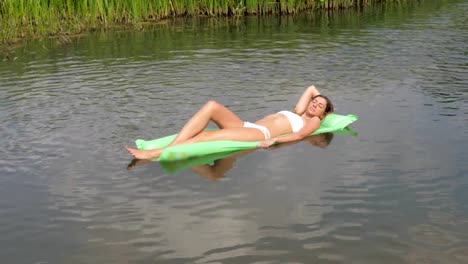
column 304, row 101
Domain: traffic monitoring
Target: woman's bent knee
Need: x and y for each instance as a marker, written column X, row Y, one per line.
column 212, row 105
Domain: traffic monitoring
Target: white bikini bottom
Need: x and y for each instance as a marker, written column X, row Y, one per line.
column 264, row 130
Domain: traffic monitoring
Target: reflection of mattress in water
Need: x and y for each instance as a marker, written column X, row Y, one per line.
column 175, row 166
column 180, row 165
column 331, row 123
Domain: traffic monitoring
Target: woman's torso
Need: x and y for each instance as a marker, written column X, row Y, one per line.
column 277, row 124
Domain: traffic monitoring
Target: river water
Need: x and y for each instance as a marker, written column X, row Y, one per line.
column 392, row 190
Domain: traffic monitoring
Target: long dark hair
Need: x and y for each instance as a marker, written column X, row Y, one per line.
column 329, row 108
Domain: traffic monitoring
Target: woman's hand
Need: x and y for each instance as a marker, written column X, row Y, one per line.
column 267, row 143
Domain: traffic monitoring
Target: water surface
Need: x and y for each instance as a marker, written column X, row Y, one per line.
column 394, row 193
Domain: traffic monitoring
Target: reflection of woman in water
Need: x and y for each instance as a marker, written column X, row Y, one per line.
column 222, row 166
column 281, row 127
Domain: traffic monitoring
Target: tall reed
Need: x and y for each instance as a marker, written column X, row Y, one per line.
column 37, row 18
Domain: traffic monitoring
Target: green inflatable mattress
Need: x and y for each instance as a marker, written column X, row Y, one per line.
column 331, row 123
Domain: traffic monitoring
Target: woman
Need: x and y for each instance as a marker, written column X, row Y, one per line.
column 284, row 126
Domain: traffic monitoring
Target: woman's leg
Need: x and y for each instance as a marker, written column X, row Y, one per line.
column 236, row 133
column 211, row 111
column 144, row 154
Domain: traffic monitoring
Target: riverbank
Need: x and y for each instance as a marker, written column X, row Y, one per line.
column 21, row 19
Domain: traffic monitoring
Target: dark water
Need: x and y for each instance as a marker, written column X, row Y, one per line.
column 395, row 193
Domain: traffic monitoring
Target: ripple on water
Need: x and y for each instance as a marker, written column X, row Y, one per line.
column 389, row 194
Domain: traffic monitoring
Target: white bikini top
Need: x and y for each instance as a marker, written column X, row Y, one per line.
column 296, row 120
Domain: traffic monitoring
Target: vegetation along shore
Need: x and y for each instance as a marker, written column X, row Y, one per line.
column 21, row 19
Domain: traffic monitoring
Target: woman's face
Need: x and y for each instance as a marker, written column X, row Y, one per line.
column 317, row 107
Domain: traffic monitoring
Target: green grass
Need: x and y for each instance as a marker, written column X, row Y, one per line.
column 41, row 18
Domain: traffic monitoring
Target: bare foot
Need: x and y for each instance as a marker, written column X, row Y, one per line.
column 144, row 154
